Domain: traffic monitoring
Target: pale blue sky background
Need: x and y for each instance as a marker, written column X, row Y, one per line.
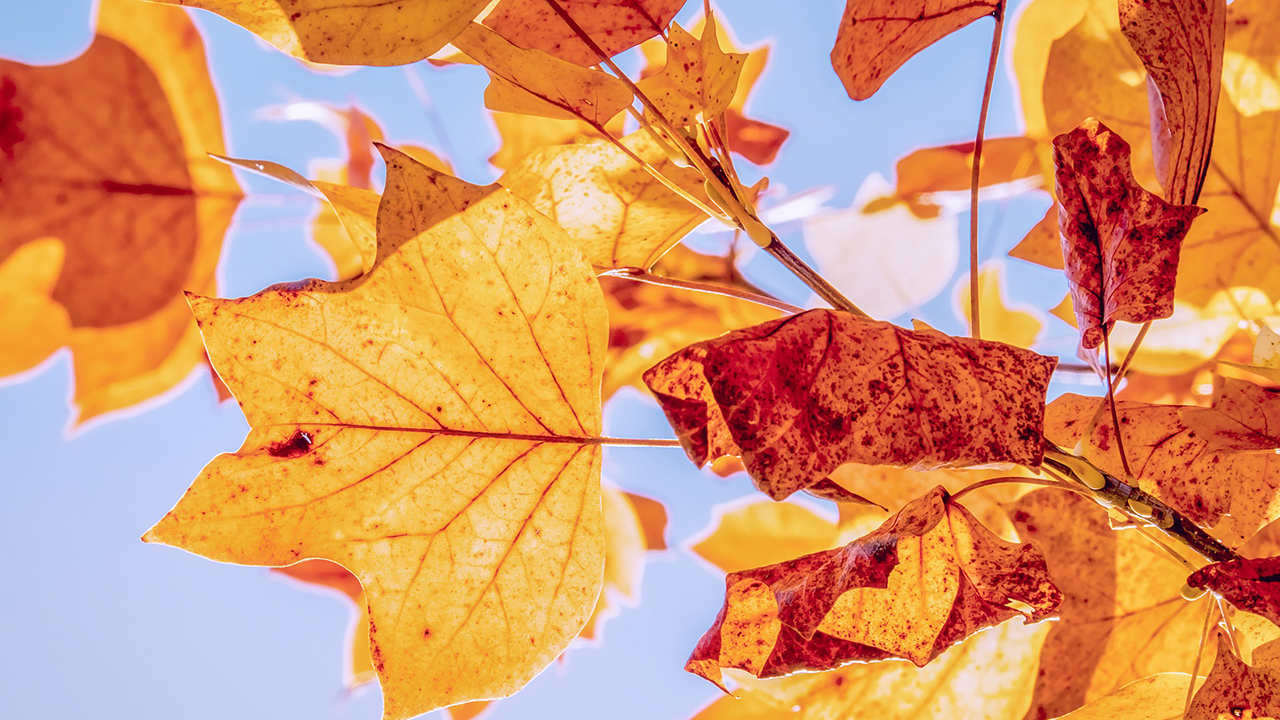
column 95, row 624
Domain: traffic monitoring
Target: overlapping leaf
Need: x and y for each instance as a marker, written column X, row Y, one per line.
column 1249, row 584
column 1235, row 689
column 366, row 32
column 1123, row 617
column 927, row 578
column 699, row 79
column 105, row 155
column 877, row 37
column 614, row 25
column 926, row 175
column 1238, row 493
column 799, row 396
column 1120, row 243
column 619, row 213
column 445, row 455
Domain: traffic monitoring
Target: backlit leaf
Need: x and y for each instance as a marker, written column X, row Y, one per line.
column 445, row 455
column 614, row 25
column 1119, row 241
column 364, row 32
column 1180, row 43
column 1235, row 689
column 1248, row 584
column 1158, row 697
column 105, row 154
column 877, row 36
column 799, row 396
column 1019, row 326
column 949, row 169
column 1244, row 418
column 927, row 578
column 699, row 78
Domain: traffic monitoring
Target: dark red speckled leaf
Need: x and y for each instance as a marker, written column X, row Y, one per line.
column 877, row 36
column 1252, row 585
column 1244, row 418
column 1120, row 243
column 799, row 396
column 1233, row 687
column 927, row 578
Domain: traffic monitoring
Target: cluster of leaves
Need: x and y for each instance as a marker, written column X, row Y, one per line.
column 427, row 429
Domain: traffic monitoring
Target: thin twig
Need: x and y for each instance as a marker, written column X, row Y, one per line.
column 1195, row 667
column 1059, row 484
column 1128, row 358
column 641, row 275
column 975, row 319
column 1111, row 402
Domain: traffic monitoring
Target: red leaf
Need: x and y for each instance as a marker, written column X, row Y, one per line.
column 927, row 578
column 1252, row 585
column 1120, row 242
column 799, row 396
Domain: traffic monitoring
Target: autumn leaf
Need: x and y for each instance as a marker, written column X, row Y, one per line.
column 1122, row 615
column 1244, row 418
column 1248, row 584
column 459, row 395
column 797, row 397
column 360, row 33
column 923, row 174
column 1237, row 493
column 522, row 134
column 1120, row 242
column 32, row 324
column 1239, row 690
column 105, row 155
column 1266, row 356
column 699, row 79
column 878, row 37
column 1157, row 697
column 614, row 25
column 1181, row 44
column 927, row 578
column 535, row 83
column 619, row 214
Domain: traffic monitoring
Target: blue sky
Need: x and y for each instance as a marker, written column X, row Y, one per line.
column 98, row 625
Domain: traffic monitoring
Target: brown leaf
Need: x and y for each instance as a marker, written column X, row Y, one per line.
column 699, row 79
column 1122, row 615
column 429, row 426
column 1120, row 242
column 799, row 396
column 1252, row 585
column 105, row 155
column 1234, row 689
column 362, row 33
column 1180, row 43
column 927, row 578
column 535, row 83
column 614, row 25
column 877, row 36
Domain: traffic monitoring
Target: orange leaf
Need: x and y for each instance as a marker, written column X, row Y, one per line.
column 522, row 134
column 431, row 427
column 1244, row 418
column 614, row 25
column 797, row 397
column 1175, row 463
column 535, row 83
column 362, row 33
column 949, row 168
column 105, row 154
column 876, row 37
column 927, row 578
column 1180, row 43
column 1119, row 241
column 1237, row 690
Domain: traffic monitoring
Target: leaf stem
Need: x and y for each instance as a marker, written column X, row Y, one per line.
column 559, row 439
column 1111, row 402
column 641, row 275
column 1124, row 497
column 1018, row 480
column 975, row 323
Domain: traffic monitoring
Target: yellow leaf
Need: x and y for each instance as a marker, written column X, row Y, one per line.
column 431, row 427
column 699, row 79
column 106, row 154
column 764, row 532
column 619, row 214
column 32, row 325
column 365, row 32
column 1158, row 697
column 535, row 83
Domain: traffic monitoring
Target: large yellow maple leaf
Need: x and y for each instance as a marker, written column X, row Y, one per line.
column 433, row 427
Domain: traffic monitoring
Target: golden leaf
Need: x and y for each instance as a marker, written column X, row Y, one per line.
column 699, row 79
column 614, row 25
